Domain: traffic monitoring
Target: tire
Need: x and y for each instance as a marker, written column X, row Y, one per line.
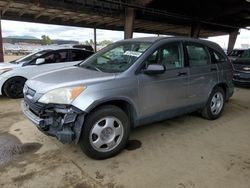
column 105, row 132
column 215, row 104
column 13, row 87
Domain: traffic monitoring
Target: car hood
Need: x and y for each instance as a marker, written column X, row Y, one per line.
column 67, row 77
column 9, row 65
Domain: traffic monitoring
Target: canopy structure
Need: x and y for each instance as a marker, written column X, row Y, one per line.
column 192, row 18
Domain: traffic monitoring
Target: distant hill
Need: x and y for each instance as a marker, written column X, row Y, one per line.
column 34, row 40
column 22, row 37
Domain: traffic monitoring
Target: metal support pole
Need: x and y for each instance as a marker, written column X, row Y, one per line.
column 1, row 43
column 95, row 43
column 232, row 39
column 129, row 22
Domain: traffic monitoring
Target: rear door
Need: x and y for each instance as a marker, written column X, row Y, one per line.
column 225, row 73
column 167, row 91
column 202, row 73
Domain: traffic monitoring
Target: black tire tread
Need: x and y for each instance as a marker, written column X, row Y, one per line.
column 7, row 85
column 206, row 111
column 91, row 119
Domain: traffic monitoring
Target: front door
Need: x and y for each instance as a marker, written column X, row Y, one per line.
column 164, row 92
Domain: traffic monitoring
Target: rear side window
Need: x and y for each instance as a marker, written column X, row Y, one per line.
column 217, row 57
column 78, row 55
column 197, row 55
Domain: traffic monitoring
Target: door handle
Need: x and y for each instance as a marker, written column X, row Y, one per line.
column 182, row 74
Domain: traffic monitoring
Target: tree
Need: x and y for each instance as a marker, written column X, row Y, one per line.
column 46, row 40
column 91, row 42
column 105, row 42
column 87, row 42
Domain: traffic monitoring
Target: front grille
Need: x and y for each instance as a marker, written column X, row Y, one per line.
column 35, row 107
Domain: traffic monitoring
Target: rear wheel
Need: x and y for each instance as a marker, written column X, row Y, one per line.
column 13, row 87
column 105, row 132
column 215, row 104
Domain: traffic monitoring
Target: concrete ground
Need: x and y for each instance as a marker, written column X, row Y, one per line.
column 184, row 152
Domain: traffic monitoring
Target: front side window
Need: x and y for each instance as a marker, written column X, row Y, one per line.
column 171, row 56
column 168, row 55
column 56, row 57
column 117, row 57
column 197, row 55
column 30, row 57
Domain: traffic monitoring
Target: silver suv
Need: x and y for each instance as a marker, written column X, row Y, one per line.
column 127, row 84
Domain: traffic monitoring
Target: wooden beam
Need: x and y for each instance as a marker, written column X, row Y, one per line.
column 143, row 2
column 40, row 14
column 25, row 9
column 218, row 12
column 72, row 16
column 56, row 15
column 7, row 6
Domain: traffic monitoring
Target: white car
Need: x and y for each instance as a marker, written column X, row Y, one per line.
column 14, row 74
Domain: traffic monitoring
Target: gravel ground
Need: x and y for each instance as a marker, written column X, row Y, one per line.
column 183, row 152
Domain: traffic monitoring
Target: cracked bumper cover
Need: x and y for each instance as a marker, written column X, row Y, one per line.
column 63, row 123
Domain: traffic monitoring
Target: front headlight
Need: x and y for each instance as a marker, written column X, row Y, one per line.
column 4, row 70
column 62, row 95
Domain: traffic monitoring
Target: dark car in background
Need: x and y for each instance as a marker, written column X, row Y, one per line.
column 241, row 67
column 236, row 53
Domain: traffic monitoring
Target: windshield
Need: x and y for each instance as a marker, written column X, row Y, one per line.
column 117, row 57
column 246, row 54
column 29, row 57
column 236, row 53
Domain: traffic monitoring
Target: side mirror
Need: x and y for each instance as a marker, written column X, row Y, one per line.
column 154, row 69
column 40, row 61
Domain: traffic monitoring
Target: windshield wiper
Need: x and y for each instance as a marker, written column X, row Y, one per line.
column 91, row 67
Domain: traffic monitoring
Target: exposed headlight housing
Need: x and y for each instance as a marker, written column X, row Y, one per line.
column 62, row 95
column 4, row 70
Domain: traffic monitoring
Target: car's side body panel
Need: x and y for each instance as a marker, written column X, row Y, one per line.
column 152, row 97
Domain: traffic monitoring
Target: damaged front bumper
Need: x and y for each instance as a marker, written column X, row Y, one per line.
column 60, row 121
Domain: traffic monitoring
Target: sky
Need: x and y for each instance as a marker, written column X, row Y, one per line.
column 14, row 28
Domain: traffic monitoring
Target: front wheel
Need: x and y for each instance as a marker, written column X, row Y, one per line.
column 215, row 104
column 13, row 87
column 105, row 132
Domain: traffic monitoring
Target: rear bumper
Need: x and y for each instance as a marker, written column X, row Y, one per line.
column 64, row 124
